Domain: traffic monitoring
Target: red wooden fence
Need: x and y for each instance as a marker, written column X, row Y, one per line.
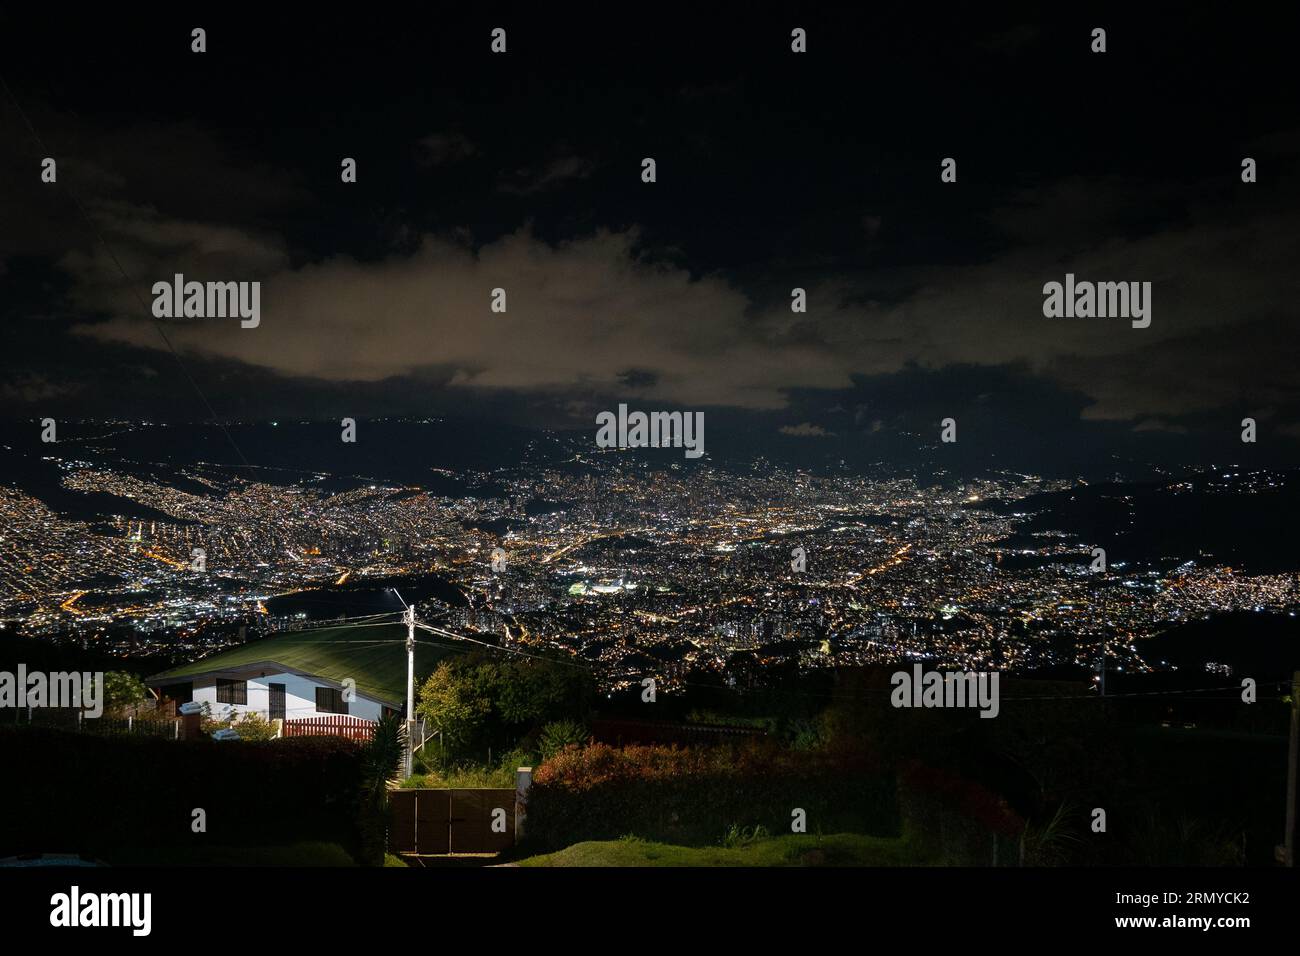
column 354, row 728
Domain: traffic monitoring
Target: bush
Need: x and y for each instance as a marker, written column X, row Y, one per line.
column 960, row 822
column 253, row 727
column 688, row 796
column 1163, row 839
column 438, row 773
column 91, row 794
column 560, row 734
column 250, row 726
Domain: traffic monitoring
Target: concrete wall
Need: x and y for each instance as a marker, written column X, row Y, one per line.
column 299, row 698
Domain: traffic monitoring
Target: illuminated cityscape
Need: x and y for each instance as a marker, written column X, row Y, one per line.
column 623, row 438
column 631, row 565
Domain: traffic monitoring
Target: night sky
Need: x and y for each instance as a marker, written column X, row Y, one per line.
column 775, row 170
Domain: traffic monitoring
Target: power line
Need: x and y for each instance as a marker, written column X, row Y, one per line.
column 323, row 643
column 497, row 647
column 885, row 692
column 329, row 624
column 319, row 600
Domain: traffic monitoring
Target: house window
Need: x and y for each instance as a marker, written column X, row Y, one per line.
column 232, row 691
column 330, row 701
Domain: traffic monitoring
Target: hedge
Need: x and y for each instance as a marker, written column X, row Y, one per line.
column 694, row 796
column 82, row 793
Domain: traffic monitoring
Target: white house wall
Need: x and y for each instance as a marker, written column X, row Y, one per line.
column 299, row 698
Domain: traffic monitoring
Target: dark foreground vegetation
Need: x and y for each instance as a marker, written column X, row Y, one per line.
column 1157, row 774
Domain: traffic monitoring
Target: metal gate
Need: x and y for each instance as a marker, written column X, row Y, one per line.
column 438, row 822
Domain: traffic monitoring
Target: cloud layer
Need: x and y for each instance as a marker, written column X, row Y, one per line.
column 598, row 313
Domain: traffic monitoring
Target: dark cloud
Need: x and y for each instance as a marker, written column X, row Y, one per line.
column 583, row 310
column 922, row 297
column 562, row 169
column 32, row 388
column 438, row 149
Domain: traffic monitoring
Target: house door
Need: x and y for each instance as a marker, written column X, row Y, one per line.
column 276, row 709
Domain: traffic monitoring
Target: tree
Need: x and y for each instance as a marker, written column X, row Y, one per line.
column 532, row 692
column 121, row 689
column 454, row 702
column 498, row 701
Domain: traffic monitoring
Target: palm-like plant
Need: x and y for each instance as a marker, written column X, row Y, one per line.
column 384, row 755
column 381, row 763
column 559, row 734
column 1050, row 843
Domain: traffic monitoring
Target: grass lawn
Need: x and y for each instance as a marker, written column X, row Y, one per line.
column 501, row 778
column 836, row 849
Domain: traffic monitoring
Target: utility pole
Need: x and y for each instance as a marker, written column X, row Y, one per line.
column 410, row 688
column 409, row 617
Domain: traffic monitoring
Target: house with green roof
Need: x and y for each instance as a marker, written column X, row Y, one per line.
column 357, row 669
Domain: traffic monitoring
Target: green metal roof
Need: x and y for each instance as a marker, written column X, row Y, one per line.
column 373, row 655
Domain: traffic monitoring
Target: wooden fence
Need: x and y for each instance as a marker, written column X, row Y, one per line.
column 353, row 728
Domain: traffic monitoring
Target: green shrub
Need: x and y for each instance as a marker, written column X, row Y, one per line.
column 690, row 796
column 560, row 734
column 479, row 701
column 122, row 688
column 435, row 768
column 250, row 726
column 465, row 775
column 253, row 726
